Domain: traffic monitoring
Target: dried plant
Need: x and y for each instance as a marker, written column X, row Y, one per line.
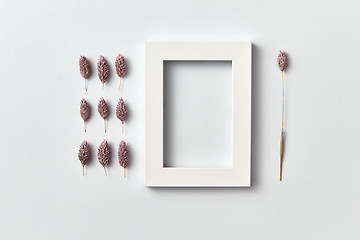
column 123, row 155
column 84, row 154
column 104, row 154
column 84, row 111
column 103, row 70
column 120, row 66
column 84, row 68
column 121, row 113
column 282, row 63
column 103, row 110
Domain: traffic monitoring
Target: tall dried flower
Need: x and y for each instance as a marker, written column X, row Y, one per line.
column 84, row 111
column 84, row 154
column 120, row 66
column 104, row 154
column 282, row 62
column 103, row 70
column 103, row 110
column 121, row 112
column 123, row 155
column 84, row 68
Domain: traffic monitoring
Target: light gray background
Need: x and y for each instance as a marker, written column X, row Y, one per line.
column 43, row 194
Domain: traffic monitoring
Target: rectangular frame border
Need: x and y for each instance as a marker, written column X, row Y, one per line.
column 240, row 174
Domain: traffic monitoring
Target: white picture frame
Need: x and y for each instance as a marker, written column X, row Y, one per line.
column 239, row 175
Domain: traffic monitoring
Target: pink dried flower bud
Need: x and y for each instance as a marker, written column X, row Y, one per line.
column 104, row 154
column 103, row 108
column 84, row 109
column 84, row 153
column 281, row 60
column 121, row 113
column 84, row 67
column 103, row 69
column 121, row 110
column 120, row 65
column 123, row 154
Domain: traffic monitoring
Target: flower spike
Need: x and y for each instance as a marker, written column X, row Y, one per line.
column 103, row 70
column 104, row 154
column 84, row 111
column 123, row 155
column 84, row 154
column 120, row 66
column 84, row 68
column 103, row 110
column 121, row 113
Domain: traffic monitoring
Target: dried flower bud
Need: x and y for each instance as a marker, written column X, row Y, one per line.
column 103, row 69
column 84, row 67
column 281, row 60
column 103, row 108
column 104, row 154
column 120, row 65
column 123, row 154
column 84, row 153
column 84, row 109
column 121, row 110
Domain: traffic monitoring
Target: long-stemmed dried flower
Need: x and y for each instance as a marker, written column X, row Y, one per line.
column 123, row 155
column 104, row 154
column 84, row 68
column 120, row 66
column 121, row 113
column 103, row 110
column 282, row 62
column 103, row 70
column 84, row 111
column 84, row 154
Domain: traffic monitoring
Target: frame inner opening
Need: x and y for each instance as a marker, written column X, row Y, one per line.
column 197, row 98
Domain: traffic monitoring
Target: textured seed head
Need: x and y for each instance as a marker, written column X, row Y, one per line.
column 104, row 153
column 120, row 65
column 103, row 108
column 123, row 154
column 84, row 67
column 84, row 109
column 103, row 69
column 281, row 60
column 84, row 153
column 121, row 110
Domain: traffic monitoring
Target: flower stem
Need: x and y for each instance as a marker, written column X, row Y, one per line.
column 283, row 101
column 120, row 84
column 282, row 125
column 281, row 153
